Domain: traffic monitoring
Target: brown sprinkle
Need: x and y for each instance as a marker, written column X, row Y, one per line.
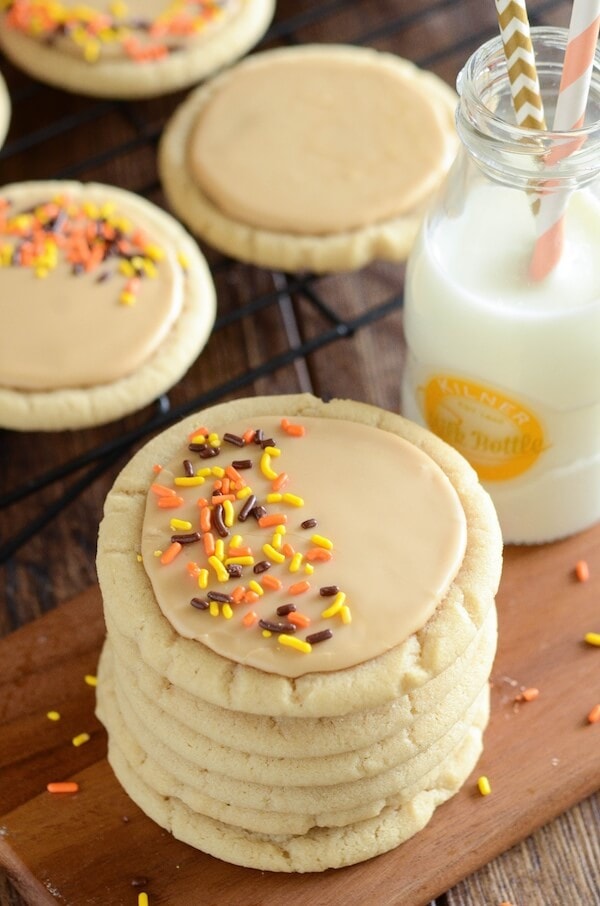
column 308, row 523
column 234, row 439
column 247, row 508
column 199, row 603
column 261, row 567
column 242, row 463
column 220, row 596
column 284, row 609
column 187, row 538
column 321, row 636
column 188, row 468
column 272, row 626
column 326, row 591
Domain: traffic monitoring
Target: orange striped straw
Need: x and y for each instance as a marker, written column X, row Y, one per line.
column 520, row 61
column 570, row 113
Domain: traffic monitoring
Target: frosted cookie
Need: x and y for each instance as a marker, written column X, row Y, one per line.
column 317, row 157
column 408, row 638
column 107, row 301
column 4, row 110
column 129, row 48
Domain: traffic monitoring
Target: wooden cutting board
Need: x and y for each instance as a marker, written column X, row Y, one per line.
column 541, row 758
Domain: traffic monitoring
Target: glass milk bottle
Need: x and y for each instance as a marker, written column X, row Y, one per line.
column 504, row 367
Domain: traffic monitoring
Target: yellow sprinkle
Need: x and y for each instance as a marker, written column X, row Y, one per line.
column 266, row 633
column 213, row 608
column 181, row 525
column 220, row 549
column 53, row 715
column 189, row 481
column 309, row 569
column 256, row 587
column 293, row 499
column 203, row 578
column 199, row 439
column 483, row 785
column 346, row 614
column 265, row 466
column 204, row 472
column 126, row 268
column 296, row 562
column 244, row 560
column 149, row 268
column 127, row 298
column 143, row 898
column 91, row 51
column 592, row 638
column 336, row 605
column 273, row 451
column 243, row 493
column 236, row 541
column 222, row 574
column 183, row 260
column 292, row 642
column 157, row 553
column 154, row 252
column 277, row 540
column 80, row 739
column 228, row 513
column 218, row 471
column 139, row 558
column 227, row 611
column 273, row 554
column 90, row 679
column 320, row 541
column 274, row 497
column 213, row 439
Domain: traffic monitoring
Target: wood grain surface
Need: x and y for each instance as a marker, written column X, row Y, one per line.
column 275, row 334
column 540, row 757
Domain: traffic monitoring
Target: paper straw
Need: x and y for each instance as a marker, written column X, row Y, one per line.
column 570, row 114
column 520, row 60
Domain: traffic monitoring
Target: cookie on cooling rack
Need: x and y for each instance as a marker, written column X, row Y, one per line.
column 105, row 303
column 129, row 48
column 318, row 157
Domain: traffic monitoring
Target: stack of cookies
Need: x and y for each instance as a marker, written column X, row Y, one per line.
column 299, row 601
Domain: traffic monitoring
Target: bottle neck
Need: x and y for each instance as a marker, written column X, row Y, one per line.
column 514, row 155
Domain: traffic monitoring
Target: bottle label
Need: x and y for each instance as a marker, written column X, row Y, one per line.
column 496, row 433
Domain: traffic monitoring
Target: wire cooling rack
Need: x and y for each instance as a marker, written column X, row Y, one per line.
column 50, row 138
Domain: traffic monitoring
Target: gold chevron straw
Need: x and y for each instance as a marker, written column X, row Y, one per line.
column 520, row 60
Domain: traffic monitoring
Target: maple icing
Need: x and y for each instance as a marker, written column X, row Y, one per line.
column 140, row 30
column 319, row 143
column 387, row 515
column 62, row 325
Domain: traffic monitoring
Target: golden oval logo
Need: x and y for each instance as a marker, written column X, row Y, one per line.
column 499, row 436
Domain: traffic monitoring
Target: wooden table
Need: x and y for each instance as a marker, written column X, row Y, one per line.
column 333, row 336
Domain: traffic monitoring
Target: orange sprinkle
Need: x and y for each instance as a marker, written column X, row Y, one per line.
column 250, row 618
column 272, row 519
column 271, row 582
column 295, row 430
column 234, row 475
column 221, row 498
column 299, row 588
column 248, row 436
column 193, row 569
column 280, row 482
column 239, row 552
column 171, row 552
column 208, row 540
column 170, row 502
column 225, row 486
column 298, row 619
column 250, row 597
column 162, row 490
column 65, row 786
column 238, row 593
column 205, row 519
column 318, row 553
column 197, row 432
column 287, row 550
column 528, row 695
column 594, row 715
column 582, row 571
column 157, row 468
